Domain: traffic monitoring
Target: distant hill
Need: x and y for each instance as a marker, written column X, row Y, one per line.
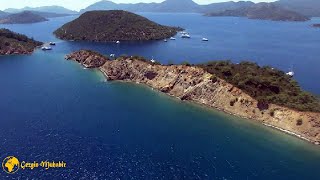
column 114, row 25
column 24, row 17
column 167, row 6
column 177, row 6
column 14, row 43
column 3, row 14
column 47, row 9
column 50, row 14
column 310, row 8
column 264, row 11
column 230, row 5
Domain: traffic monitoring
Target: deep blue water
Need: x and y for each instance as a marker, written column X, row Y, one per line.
column 54, row 109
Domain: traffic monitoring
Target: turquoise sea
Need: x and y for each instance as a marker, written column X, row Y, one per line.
column 53, row 109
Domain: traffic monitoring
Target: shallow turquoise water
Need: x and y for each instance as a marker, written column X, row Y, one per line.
column 54, row 109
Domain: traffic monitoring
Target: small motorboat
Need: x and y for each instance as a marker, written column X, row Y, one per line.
column 112, row 55
column 186, row 35
column 165, row 40
column 52, row 43
column 291, row 73
column 152, row 60
column 205, row 39
column 46, row 48
column 118, row 42
column 172, row 38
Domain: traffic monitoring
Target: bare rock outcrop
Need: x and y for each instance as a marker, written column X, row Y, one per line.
column 194, row 84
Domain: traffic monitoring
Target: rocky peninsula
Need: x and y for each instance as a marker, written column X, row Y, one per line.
column 198, row 83
column 14, row 43
column 115, row 25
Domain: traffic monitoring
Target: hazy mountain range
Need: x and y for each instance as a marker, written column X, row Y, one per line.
column 44, row 11
column 310, row 8
column 167, row 6
column 24, row 17
column 3, row 14
column 304, row 7
column 47, row 9
column 264, row 11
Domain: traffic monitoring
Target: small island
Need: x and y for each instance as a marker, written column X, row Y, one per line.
column 14, row 43
column 115, row 25
column 25, row 17
column 247, row 90
column 263, row 11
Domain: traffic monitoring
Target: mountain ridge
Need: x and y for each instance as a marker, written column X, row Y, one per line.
column 24, row 17
column 166, row 6
column 310, row 8
column 47, row 9
column 264, row 11
column 3, row 14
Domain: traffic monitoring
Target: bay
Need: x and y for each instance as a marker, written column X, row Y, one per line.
column 52, row 109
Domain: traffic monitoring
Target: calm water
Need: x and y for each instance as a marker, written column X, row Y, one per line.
column 54, row 109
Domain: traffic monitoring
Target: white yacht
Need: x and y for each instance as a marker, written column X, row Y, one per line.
column 186, row 35
column 118, row 42
column 52, row 43
column 172, row 38
column 205, row 39
column 291, row 73
column 46, row 48
column 165, row 40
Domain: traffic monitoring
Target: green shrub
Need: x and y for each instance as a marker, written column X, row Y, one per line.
column 186, row 63
column 265, row 84
column 299, row 122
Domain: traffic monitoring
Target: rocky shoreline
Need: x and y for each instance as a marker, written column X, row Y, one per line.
column 15, row 51
column 191, row 83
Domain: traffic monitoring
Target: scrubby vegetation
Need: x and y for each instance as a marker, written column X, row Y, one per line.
column 115, row 25
column 11, row 42
column 265, row 84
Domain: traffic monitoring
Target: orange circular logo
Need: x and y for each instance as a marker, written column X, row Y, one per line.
column 10, row 165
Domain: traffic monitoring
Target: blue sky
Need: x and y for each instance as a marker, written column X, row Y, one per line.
column 80, row 4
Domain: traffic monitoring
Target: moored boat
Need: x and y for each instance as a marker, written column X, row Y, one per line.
column 46, row 48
